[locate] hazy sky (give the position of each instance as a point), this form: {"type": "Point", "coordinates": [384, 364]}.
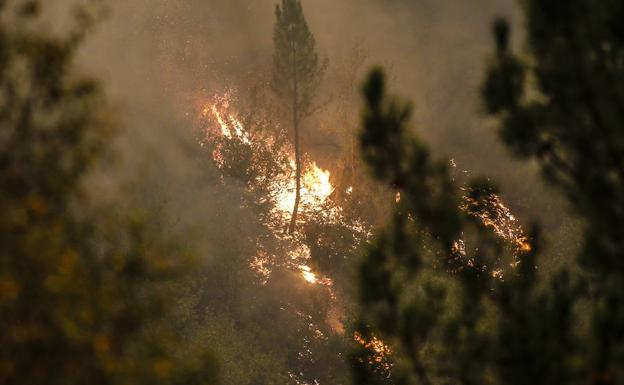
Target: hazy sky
{"type": "Point", "coordinates": [154, 53]}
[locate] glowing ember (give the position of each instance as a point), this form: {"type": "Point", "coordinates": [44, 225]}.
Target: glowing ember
{"type": "Point", "coordinates": [260, 264]}
{"type": "Point", "coordinates": [380, 351]}
{"type": "Point", "coordinates": [499, 218]}
{"type": "Point", "coordinates": [492, 213]}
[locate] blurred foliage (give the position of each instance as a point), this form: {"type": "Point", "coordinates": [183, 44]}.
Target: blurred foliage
{"type": "Point", "coordinates": [562, 106]}
{"type": "Point", "coordinates": [447, 318]}
{"type": "Point", "coordinates": [406, 289]}
{"type": "Point", "coordinates": [83, 289]}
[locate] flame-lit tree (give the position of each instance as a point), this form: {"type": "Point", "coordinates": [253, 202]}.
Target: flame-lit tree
{"type": "Point", "coordinates": [296, 75]}
{"type": "Point", "coordinates": [283, 315]}
{"type": "Point", "coordinates": [451, 323]}
{"type": "Point", "coordinates": [307, 312]}
{"type": "Point", "coordinates": [81, 288]}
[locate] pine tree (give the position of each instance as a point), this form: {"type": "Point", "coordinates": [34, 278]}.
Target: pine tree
{"type": "Point", "coordinates": [297, 74]}
{"type": "Point", "coordinates": [447, 318]}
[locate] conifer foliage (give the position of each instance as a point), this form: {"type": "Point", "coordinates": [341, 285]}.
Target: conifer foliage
{"type": "Point", "coordinates": [450, 321]}
{"type": "Point", "coordinates": [447, 318]}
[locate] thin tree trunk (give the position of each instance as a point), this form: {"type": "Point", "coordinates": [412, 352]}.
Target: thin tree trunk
{"type": "Point", "coordinates": [293, 219]}
{"type": "Point", "coordinates": [295, 109]}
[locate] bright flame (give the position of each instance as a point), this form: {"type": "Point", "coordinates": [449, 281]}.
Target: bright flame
{"type": "Point", "coordinates": [316, 186]}
{"type": "Point", "coordinates": [307, 274]}
{"type": "Point", "coordinates": [315, 189]}
{"type": "Point", "coordinates": [230, 126]}
{"type": "Point", "coordinates": [315, 182]}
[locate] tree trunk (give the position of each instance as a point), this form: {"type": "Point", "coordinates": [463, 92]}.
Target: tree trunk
{"type": "Point", "coordinates": [295, 111]}
{"type": "Point", "coordinates": [293, 219]}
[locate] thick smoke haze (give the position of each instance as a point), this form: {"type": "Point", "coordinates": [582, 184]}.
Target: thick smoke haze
{"type": "Point", "coordinates": [311, 192]}
{"type": "Point", "coordinates": [156, 57]}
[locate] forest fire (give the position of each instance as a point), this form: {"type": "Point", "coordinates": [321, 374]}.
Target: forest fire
{"type": "Point", "coordinates": [316, 185]}
{"type": "Point", "coordinates": [242, 199]}
{"type": "Point", "coordinates": [315, 190]}
{"type": "Point", "coordinates": [230, 126]}
{"type": "Point", "coordinates": [226, 128]}
{"type": "Point", "coordinates": [492, 212]}
{"type": "Point", "coordinates": [499, 218]}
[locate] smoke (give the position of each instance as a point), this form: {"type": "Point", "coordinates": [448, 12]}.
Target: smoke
{"type": "Point", "coordinates": [156, 56]}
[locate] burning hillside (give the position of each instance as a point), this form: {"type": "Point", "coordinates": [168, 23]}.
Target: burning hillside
{"type": "Point", "coordinates": [234, 140]}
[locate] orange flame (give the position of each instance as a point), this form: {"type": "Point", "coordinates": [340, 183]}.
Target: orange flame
{"type": "Point", "coordinates": [316, 185]}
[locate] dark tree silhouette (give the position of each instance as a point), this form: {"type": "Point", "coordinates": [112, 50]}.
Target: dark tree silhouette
{"type": "Point", "coordinates": [447, 318]}
{"type": "Point", "coordinates": [81, 287]}
{"type": "Point", "coordinates": [565, 108]}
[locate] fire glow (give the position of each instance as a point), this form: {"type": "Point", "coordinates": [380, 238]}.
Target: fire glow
{"type": "Point", "coordinates": [307, 274]}
{"type": "Point", "coordinates": [498, 217]}
{"type": "Point", "coordinates": [315, 190]}
{"type": "Point", "coordinates": [380, 352]}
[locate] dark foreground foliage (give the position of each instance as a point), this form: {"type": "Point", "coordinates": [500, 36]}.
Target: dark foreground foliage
{"type": "Point", "coordinates": [82, 287]}
{"type": "Point", "coordinates": [448, 319]}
